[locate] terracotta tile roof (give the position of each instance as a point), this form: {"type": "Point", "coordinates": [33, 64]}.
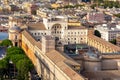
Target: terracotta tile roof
{"type": "Point", "coordinates": [111, 56]}
{"type": "Point", "coordinates": [76, 27]}
{"type": "Point", "coordinates": [55, 56]}
{"type": "Point", "coordinates": [61, 61]}
{"type": "Point", "coordinates": [58, 59]}
{"type": "Point", "coordinates": [36, 26]}
{"type": "Point", "coordinates": [29, 36]}
{"type": "Point", "coordinates": [31, 39]}
{"type": "Point", "coordinates": [71, 62]}
{"type": "Point", "coordinates": [39, 45]}
{"type": "Point", "coordinates": [108, 44]}
{"type": "Point", "coordinates": [68, 60]}
{"type": "Point", "coordinates": [72, 74]}
{"type": "Point", "coordinates": [69, 71]}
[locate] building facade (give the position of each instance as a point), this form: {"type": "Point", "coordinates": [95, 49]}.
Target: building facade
{"type": "Point", "coordinates": [38, 40]}
{"type": "Point", "coordinates": [108, 32]}
{"type": "Point", "coordinates": [118, 40]}
{"type": "Point", "coordinates": [95, 17]}
{"type": "Point", "coordinates": [58, 27]}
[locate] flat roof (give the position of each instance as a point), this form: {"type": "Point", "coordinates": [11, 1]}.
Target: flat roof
{"type": "Point", "coordinates": [76, 27]}
{"type": "Point", "coordinates": [36, 26]}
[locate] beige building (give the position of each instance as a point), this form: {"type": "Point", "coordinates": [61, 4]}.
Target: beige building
{"type": "Point", "coordinates": [58, 28]}
{"type": "Point", "coordinates": [118, 40]}
{"type": "Point", "coordinates": [49, 63]}
{"type": "Point", "coordinates": [14, 35]}
{"type": "Point", "coordinates": [38, 41]}
{"type": "Point", "coordinates": [66, 34]}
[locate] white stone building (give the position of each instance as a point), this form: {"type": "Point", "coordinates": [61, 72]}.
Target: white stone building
{"type": "Point", "coordinates": [57, 26]}
{"type": "Point", "coordinates": [108, 32]}
{"type": "Point", "coordinates": [95, 17]}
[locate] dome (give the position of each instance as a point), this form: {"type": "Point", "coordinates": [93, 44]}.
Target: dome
{"type": "Point", "coordinates": [15, 29]}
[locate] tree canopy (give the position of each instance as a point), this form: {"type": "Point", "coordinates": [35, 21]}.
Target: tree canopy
{"type": "Point", "coordinates": [113, 41]}
{"type": "Point", "coordinates": [3, 68]}
{"type": "Point", "coordinates": [16, 57]}
{"type": "Point", "coordinates": [6, 43]}
{"type": "Point", "coordinates": [14, 48]}
{"type": "Point", "coordinates": [3, 64]}
{"type": "Point", "coordinates": [97, 33]}
{"type": "Point", "coordinates": [117, 15]}
{"type": "Point", "coordinates": [105, 3]}
{"type": "Point", "coordinates": [23, 67]}
{"type": "Point", "coordinates": [19, 59]}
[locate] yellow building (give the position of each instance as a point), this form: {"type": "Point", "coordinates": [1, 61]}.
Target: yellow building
{"type": "Point", "coordinates": [55, 5]}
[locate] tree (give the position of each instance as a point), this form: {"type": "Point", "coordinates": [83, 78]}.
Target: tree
{"type": "Point", "coordinates": [113, 41]}
{"type": "Point", "coordinates": [93, 6]}
{"type": "Point", "coordinates": [6, 43]}
{"type": "Point", "coordinates": [23, 66]}
{"type": "Point", "coordinates": [3, 68]}
{"type": "Point", "coordinates": [16, 57]}
{"type": "Point", "coordinates": [111, 4]}
{"type": "Point", "coordinates": [21, 62]}
{"type": "Point", "coordinates": [117, 15]}
{"type": "Point", "coordinates": [14, 50]}
{"type": "Point", "coordinates": [19, 59]}
{"type": "Point", "coordinates": [97, 33]}
{"type": "Point", "coordinates": [3, 63]}
{"type": "Point", "coordinates": [98, 1]}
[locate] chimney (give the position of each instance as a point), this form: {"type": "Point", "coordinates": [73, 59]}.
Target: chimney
{"type": "Point", "coordinates": [48, 43]}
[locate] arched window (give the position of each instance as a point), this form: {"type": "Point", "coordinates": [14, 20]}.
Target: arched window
{"type": "Point", "coordinates": [15, 37]}
{"type": "Point", "coordinates": [56, 29]}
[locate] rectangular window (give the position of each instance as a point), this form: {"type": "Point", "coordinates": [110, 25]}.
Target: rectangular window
{"type": "Point", "coordinates": [15, 37]}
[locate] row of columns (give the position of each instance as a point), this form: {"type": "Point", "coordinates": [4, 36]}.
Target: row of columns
{"type": "Point", "coordinates": [103, 48]}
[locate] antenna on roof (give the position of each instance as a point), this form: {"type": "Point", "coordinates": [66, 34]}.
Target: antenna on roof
{"type": "Point", "coordinates": [76, 50]}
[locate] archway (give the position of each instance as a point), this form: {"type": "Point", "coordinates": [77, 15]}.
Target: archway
{"type": "Point", "coordinates": [56, 30]}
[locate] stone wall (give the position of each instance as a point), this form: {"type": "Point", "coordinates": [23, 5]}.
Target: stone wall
{"type": "Point", "coordinates": [102, 45]}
